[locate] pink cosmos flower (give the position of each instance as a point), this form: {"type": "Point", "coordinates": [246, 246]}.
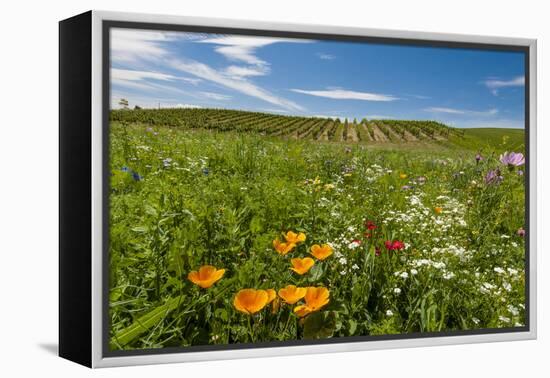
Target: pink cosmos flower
{"type": "Point", "coordinates": [512, 159]}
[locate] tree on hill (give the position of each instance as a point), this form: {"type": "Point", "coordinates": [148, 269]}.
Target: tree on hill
{"type": "Point", "coordinates": [123, 103]}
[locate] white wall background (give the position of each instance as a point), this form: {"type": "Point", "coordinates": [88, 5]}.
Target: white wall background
{"type": "Point", "coordinates": [28, 185]}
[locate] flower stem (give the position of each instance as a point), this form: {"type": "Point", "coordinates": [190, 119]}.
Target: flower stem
{"type": "Point", "coordinates": [287, 322]}
{"type": "Point", "coordinates": [251, 329]}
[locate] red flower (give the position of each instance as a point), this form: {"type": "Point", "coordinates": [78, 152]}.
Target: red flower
{"type": "Point", "coordinates": [377, 251]}
{"type": "Point", "coordinates": [357, 241]}
{"type": "Point", "coordinates": [370, 225]}
{"type": "Point", "coordinates": [395, 245]}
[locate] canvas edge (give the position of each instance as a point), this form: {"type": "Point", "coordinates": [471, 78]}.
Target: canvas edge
{"type": "Point", "coordinates": [97, 182]}
{"type": "Point", "coordinates": [97, 191]}
{"type": "Point", "coordinates": [74, 250]}
{"type": "Point", "coordinates": [533, 189]}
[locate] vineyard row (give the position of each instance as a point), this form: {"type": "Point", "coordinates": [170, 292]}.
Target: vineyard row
{"type": "Point", "coordinates": [316, 128]}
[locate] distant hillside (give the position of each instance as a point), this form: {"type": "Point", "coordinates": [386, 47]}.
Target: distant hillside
{"type": "Point", "coordinates": [374, 132]}
{"type": "Point", "coordinates": [492, 138]}
{"type": "Point", "coordinates": [323, 129]}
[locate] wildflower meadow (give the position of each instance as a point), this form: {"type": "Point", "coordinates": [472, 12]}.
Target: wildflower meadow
{"type": "Point", "coordinates": [222, 234]}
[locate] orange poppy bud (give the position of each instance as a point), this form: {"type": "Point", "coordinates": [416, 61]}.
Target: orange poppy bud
{"type": "Point", "coordinates": [206, 276]}
{"type": "Point", "coordinates": [283, 248]}
{"type": "Point", "coordinates": [315, 298]}
{"type": "Point", "coordinates": [271, 295]}
{"type": "Point", "coordinates": [302, 266]}
{"type": "Point", "coordinates": [292, 294]}
{"type": "Point", "coordinates": [292, 237]}
{"type": "Point", "coordinates": [321, 252]}
{"type": "Point", "coordinates": [250, 301]}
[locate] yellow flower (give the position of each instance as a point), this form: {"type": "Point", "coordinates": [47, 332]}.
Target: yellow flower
{"type": "Point", "coordinates": [329, 186]}
{"type": "Point", "coordinates": [402, 175]}
{"type": "Point", "coordinates": [292, 237]}
{"type": "Point", "coordinates": [250, 301]}
{"type": "Point", "coordinates": [301, 266]}
{"type": "Point", "coordinates": [206, 276]}
{"type": "Point", "coordinates": [283, 248]}
{"type": "Point", "coordinates": [292, 294]}
{"type": "Point", "coordinates": [316, 298]}
{"type": "Point", "coordinates": [438, 210]}
{"type": "Point", "coordinates": [321, 252]}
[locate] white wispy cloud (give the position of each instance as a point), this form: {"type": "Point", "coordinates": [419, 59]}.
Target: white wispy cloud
{"type": "Point", "coordinates": [242, 48]}
{"type": "Point", "coordinates": [138, 47]}
{"type": "Point", "coordinates": [134, 75]}
{"type": "Point", "coordinates": [147, 80]}
{"type": "Point", "coordinates": [495, 84]}
{"type": "Point", "coordinates": [488, 112]}
{"type": "Point", "coordinates": [216, 96]}
{"type": "Point", "coordinates": [119, 75]}
{"type": "Point", "coordinates": [342, 94]}
{"type": "Point", "coordinates": [131, 45]}
{"type": "Point", "coordinates": [324, 56]}
{"type": "Point", "coordinates": [205, 72]}
{"type": "Point", "coordinates": [240, 71]}
{"type": "Point", "coordinates": [189, 80]}
{"type": "Point", "coordinates": [271, 110]}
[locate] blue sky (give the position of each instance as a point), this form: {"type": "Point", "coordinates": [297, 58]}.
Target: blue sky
{"type": "Point", "coordinates": [460, 87]}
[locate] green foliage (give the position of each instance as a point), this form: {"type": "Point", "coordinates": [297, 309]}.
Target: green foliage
{"type": "Point", "coordinates": [295, 127]}
{"type": "Point", "coordinates": [320, 325]}
{"type": "Point", "coordinates": [191, 187]}
{"type": "Point", "coordinates": [144, 323]}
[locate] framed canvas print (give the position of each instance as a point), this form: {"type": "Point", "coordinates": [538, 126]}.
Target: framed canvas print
{"type": "Point", "coordinates": [232, 189]}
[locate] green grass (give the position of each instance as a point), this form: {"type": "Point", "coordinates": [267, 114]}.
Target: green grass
{"type": "Point", "coordinates": [184, 197]}
{"type": "Point", "coordinates": [491, 139]}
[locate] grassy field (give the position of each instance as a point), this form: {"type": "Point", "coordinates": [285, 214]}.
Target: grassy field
{"type": "Point", "coordinates": [491, 139]}
{"type": "Point", "coordinates": [389, 236]}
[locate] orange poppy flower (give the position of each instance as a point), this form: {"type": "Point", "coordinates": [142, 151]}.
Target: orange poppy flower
{"type": "Point", "coordinates": [271, 295]}
{"type": "Point", "coordinates": [302, 266]}
{"type": "Point", "coordinates": [438, 210]}
{"type": "Point", "coordinates": [316, 298]}
{"type": "Point", "coordinates": [275, 305]}
{"type": "Point", "coordinates": [321, 252]}
{"type": "Point", "coordinates": [206, 276]}
{"type": "Point", "coordinates": [292, 237]}
{"type": "Point", "coordinates": [283, 248]}
{"type": "Point", "coordinates": [250, 301]}
{"type": "Point", "coordinates": [292, 294]}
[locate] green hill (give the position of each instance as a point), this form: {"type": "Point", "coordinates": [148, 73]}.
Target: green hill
{"type": "Point", "coordinates": [492, 138]}
{"type": "Point", "coordinates": [371, 132]}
